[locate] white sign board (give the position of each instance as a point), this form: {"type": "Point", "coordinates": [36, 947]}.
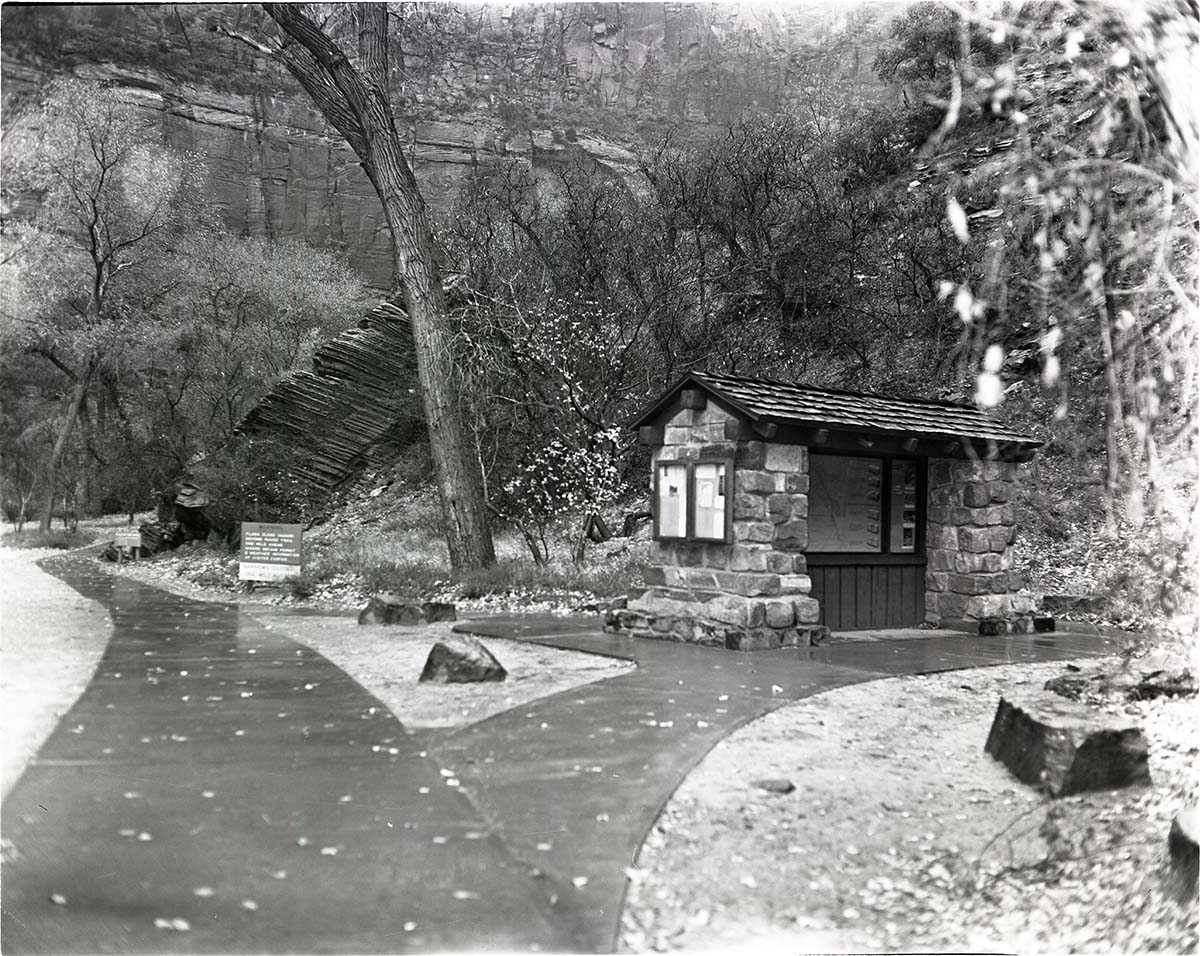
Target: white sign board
{"type": "Point", "coordinates": [128, 539]}
{"type": "Point", "coordinates": [270, 552]}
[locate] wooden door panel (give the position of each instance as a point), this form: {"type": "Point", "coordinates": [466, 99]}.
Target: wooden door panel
{"type": "Point", "coordinates": [856, 596]}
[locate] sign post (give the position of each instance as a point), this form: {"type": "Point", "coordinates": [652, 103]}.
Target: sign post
{"type": "Point", "coordinates": [270, 552]}
{"type": "Point", "coordinates": [128, 543]}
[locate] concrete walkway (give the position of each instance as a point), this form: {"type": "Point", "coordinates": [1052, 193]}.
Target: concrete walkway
{"type": "Point", "coordinates": [218, 774]}
{"type": "Point", "coordinates": [574, 782]}
{"type": "Point", "coordinates": [212, 755]}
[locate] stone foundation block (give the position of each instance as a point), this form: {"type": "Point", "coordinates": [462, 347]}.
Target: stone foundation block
{"type": "Point", "coordinates": [689, 555]}
{"type": "Point", "coordinates": [748, 583]}
{"type": "Point", "coordinates": [795, 484]}
{"type": "Point", "coordinates": [717, 556]}
{"type": "Point", "coordinates": [780, 614]}
{"type": "Point", "coordinates": [1063, 747]}
{"type": "Point", "coordinates": [795, 584]}
{"type": "Point", "coordinates": [779, 507]}
{"type": "Point", "coordinates": [940, 560]}
{"type": "Point", "coordinates": [792, 459]}
{"type": "Point", "coordinates": [780, 562]}
{"type": "Point", "coordinates": [800, 506]}
{"type": "Point", "coordinates": [939, 537]}
{"type": "Point", "coordinates": [985, 606]}
{"type": "Point", "coordinates": [760, 532]}
{"type": "Point", "coordinates": [755, 482]}
{"type": "Point", "coordinates": [742, 558]}
{"type": "Point", "coordinates": [654, 576]}
{"type": "Point", "coordinates": [937, 581]}
{"type": "Point", "coordinates": [751, 454]}
{"type": "Point", "coordinates": [807, 610]}
{"type": "Point", "coordinates": [976, 495]}
{"type": "Point", "coordinates": [677, 434]}
{"type": "Point", "coordinates": [749, 507]}
{"type": "Point", "coordinates": [977, 540]}
{"type": "Point", "coordinates": [792, 535]}
{"type": "Point", "coordinates": [755, 639]}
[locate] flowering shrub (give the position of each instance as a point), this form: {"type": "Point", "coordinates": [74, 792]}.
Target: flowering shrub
{"type": "Point", "coordinates": [558, 479]}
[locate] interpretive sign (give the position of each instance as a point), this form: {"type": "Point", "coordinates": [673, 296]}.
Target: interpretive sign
{"type": "Point", "coordinates": [128, 539]}
{"type": "Point", "coordinates": [270, 552]}
{"type": "Point", "coordinates": [128, 544]}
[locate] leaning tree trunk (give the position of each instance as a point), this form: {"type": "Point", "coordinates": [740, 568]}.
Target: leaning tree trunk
{"type": "Point", "coordinates": [354, 98]}
{"type": "Point", "coordinates": [60, 445]}
{"type": "Point", "coordinates": [468, 535]}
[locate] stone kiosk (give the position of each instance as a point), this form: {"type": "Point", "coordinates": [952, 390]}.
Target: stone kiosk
{"type": "Point", "coordinates": [783, 511]}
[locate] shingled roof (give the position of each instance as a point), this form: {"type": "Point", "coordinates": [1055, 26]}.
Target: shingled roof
{"type": "Point", "coordinates": [767, 402]}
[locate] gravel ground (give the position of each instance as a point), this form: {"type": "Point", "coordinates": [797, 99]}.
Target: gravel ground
{"type": "Point", "coordinates": [388, 660]}
{"type": "Point", "coordinates": [902, 834]}
{"type": "Point", "coordinates": [51, 639]}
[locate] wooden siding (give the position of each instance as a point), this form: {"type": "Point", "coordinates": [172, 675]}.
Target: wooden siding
{"type": "Point", "coordinates": [855, 596]}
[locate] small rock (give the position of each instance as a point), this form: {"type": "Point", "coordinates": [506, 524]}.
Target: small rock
{"type": "Point", "coordinates": [433, 611]}
{"type": "Point", "coordinates": [1173, 678]}
{"type": "Point", "coordinates": [1079, 603]}
{"type": "Point", "coordinates": [1182, 846]}
{"type": "Point", "coordinates": [390, 608]}
{"type": "Point", "coordinates": [775, 785]}
{"type": "Point", "coordinates": [1063, 747]}
{"type": "Point", "coordinates": [461, 659]}
{"type": "Point", "coordinates": [1068, 686]}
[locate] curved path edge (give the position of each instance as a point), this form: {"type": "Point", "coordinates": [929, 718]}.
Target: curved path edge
{"type": "Point", "coordinates": [575, 782]}
{"type": "Point", "coordinates": [52, 641]}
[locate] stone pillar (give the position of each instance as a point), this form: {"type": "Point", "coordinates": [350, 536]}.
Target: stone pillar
{"type": "Point", "coordinates": [969, 577]}
{"type": "Point", "coordinates": [748, 594]}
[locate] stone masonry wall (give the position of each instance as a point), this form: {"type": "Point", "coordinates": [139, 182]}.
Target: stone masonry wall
{"type": "Point", "coordinates": [752, 593]}
{"type": "Point", "coordinates": [969, 577]}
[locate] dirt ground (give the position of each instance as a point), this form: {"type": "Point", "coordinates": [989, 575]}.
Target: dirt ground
{"type": "Point", "coordinates": [51, 640]}
{"type": "Point", "coordinates": [902, 834]}
{"type": "Point", "coordinates": [388, 660]}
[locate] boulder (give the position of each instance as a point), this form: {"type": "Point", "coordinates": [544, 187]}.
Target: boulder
{"type": "Point", "coordinates": [1062, 747]}
{"type": "Point", "coordinates": [1182, 847]}
{"type": "Point", "coordinates": [461, 659]}
{"type": "Point", "coordinates": [390, 609]}
{"type": "Point", "coordinates": [433, 611]}
{"type": "Point", "coordinates": [775, 785]}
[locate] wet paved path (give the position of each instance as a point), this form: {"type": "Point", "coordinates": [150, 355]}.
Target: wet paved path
{"type": "Point", "coordinates": [212, 753]}
{"type": "Point", "coordinates": [575, 781]}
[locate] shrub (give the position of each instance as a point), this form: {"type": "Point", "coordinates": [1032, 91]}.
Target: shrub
{"type": "Point", "coordinates": [60, 539]}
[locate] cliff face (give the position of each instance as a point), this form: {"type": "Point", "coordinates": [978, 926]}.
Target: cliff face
{"type": "Point", "coordinates": [475, 84]}
{"type": "Point", "coordinates": [276, 168]}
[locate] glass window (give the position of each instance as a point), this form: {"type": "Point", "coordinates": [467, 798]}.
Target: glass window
{"type": "Point", "coordinates": [672, 500]}
{"type": "Point", "coordinates": [903, 507]}
{"type": "Point", "coordinates": [710, 501]}
{"type": "Point", "coordinates": [845, 503]}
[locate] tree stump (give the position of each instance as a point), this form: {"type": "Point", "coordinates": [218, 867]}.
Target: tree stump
{"type": "Point", "coordinates": [1062, 747]}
